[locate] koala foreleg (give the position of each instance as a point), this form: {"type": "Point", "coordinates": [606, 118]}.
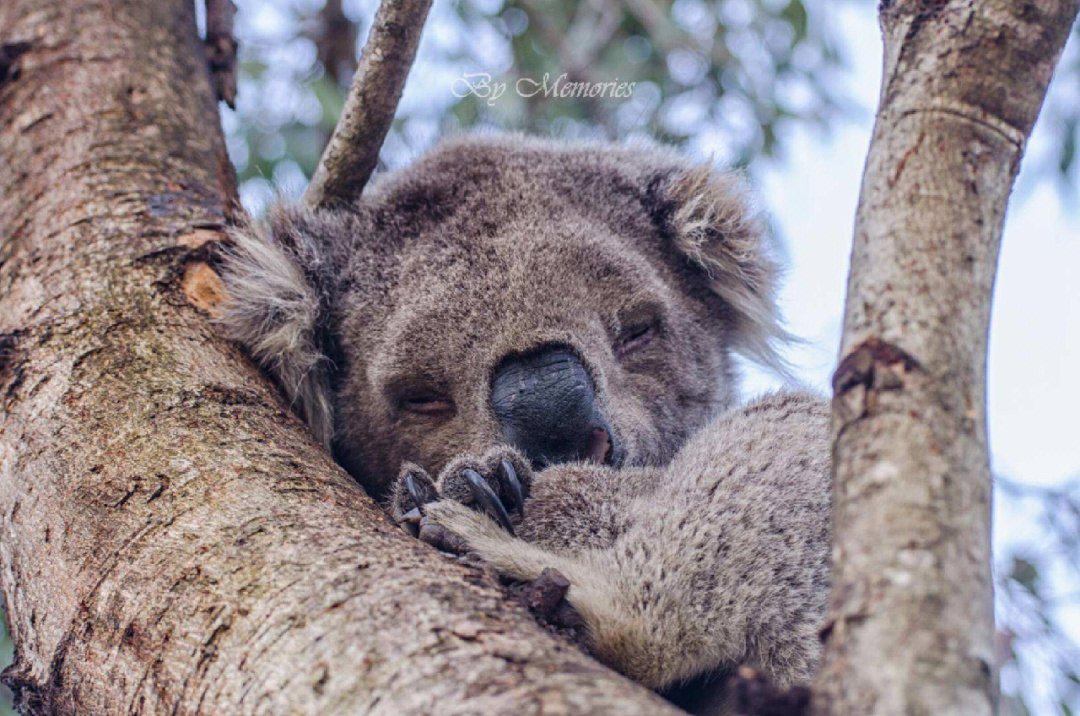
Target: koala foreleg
{"type": "Point", "coordinates": [654, 642]}
{"type": "Point", "coordinates": [615, 631]}
{"type": "Point", "coordinates": [719, 559]}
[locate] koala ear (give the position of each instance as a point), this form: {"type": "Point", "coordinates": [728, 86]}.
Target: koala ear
{"type": "Point", "coordinates": [278, 276]}
{"type": "Point", "coordinates": [708, 219]}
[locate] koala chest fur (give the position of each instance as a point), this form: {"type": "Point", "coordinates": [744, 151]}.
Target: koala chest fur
{"type": "Point", "coordinates": [556, 323]}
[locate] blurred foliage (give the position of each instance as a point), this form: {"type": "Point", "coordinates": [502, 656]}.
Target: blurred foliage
{"type": "Point", "coordinates": [722, 76]}
{"type": "Point", "coordinates": [737, 67]}
{"type": "Point", "coordinates": [719, 77]}
{"type": "Point", "coordinates": [1037, 584]}
{"type": "Point", "coordinates": [1064, 109]}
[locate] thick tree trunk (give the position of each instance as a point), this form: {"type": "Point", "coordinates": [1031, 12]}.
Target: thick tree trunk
{"type": "Point", "coordinates": [171, 538]}
{"type": "Point", "coordinates": [911, 617]}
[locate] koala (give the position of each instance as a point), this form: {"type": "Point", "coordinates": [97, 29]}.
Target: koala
{"type": "Point", "coordinates": [525, 347]}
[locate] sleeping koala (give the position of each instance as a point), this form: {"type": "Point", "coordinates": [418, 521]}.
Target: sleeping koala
{"type": "Point", "coordinates": [548, 329]}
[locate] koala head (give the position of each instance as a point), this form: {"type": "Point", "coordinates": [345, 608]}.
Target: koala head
{"type": "Point", "coordinates": [576, 301]}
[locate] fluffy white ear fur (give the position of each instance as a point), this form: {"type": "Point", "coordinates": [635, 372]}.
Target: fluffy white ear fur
{"type": "Point", "coordinates": [713, 225]}
{"type": "Point", "coordinates": [278, 310]}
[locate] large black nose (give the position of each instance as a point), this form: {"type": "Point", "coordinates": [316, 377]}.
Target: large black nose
{"type": "Point", "coordinates": [546, 405]}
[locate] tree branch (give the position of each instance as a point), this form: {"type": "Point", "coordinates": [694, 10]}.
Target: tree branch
{"type": "Point", "coordinates": [172, 539]}
{"type": "Point", "coordinates": [221, 49]}
{"type": "Point", "coordinates": [353, 150]}
{"type": "Point", "coordinates": [911, 616]}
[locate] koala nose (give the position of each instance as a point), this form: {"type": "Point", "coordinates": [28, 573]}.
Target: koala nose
{"type": "Point", "coordinates": [545, 403]}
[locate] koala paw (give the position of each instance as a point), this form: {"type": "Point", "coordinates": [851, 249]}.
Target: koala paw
{"type": "Point", "coordinates": [496, 483]}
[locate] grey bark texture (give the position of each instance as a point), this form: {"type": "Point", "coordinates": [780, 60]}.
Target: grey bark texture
{"type": "Point", "coordinates": [911, 615]}
{"type": "Point", "coordinates": [353, 150]}
{"type": "Point", "coordinates": [172, 539]}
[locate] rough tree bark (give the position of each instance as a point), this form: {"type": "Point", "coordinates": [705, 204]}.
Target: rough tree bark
{"type": "Point", "coordinates": [171, 538]}
{"type": "Point", "coordinates": [911, 618]}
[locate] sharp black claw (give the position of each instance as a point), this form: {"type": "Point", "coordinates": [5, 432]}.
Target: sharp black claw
{"type": "Point", "coordinates": [510, 476]}
{"type": "Point", "coordinates": [487, 498]}
{"type": "Point", "coordinates": [415, 491]}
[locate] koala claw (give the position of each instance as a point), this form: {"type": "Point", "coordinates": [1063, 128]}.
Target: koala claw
{"type": "Point", "coordinates": [420, 494]}
{"type": "Point", "coordinates": [513, 484]}
{"type": "Point", "coordinates": [495, 483]}
{"type": "Point", "coordinates": [487, 498]}
{"type": "Point", "coordinates": [412, 491]}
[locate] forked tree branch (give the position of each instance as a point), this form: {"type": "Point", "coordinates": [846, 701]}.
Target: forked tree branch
{"type": "Point", "coordinates": [911, 615]}
{"type": "Point", "coordinates": [353, 150]}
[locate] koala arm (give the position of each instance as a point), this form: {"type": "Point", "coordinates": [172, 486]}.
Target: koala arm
{"type": "Point", "coordinates": [718, 559]}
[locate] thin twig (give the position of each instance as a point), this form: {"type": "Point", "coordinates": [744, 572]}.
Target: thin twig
{"type": "Point", "coordinates": [221, 49]}
{"type": "Point", "coordinates": [353, 150]}
{"type": "Point", "coordinates": [335, 42]}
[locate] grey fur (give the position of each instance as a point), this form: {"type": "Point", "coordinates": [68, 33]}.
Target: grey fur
{"type": "Point", "coordinates": [707, 547]}
{"type": "Point", "coordinates": [718, 559]}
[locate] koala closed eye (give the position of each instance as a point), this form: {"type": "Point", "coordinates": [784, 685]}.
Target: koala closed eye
{"type": "Point", "coordinates": [638, 328]}
{"type": "Point", "coordinates": [419, 396]}
{"type": "Point", "coordinates": [426, 404]}
{"type": "Point", "coordinates": [634, 337]}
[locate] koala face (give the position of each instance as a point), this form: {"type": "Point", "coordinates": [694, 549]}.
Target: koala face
{"type": "Point", "coordinates": [577, 302]}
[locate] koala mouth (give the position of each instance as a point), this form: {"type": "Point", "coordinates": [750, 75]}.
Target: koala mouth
{"type": "Point", "coordinates": [599, 446]}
